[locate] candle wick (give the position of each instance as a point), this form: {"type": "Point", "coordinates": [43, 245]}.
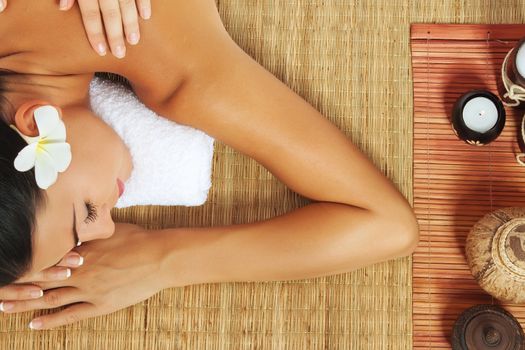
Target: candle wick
{"type": "Point", "coordinates": [482, 113]}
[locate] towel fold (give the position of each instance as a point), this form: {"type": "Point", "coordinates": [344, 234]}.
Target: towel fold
{"type": "Point", "coordinates": [171, 162]}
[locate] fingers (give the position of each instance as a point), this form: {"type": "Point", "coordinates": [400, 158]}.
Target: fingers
{"type": "Point", "coordinates": [54, 273]}
{"type": "Point", "coordinates": [130, 20]}
{"type": "Point", "coordinates": [50, 299]}
{"type": "Point", "coordinates": [66, 4]}
{"type": "Point", "coordinates": [71, 260]}
{"type": "Point", "coordinates": [53, 299]}
{"type": "Point", "coordinates": [113, 25]}
{"type": "Point", "coordinates": [72, 314]}
{"type": "Point", "coordinates": [59, 272]}
{"type": "Point", "coordinates": [144, 8]}
{"type": "Point", "coordinates": [93, 25]}
{"type": "Point", "coordinates": [111, 19]}
{"type": "Point", "coordinates": [20, 292]}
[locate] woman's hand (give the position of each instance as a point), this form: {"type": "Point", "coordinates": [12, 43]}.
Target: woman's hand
{"type": "Point", "coordinates": [117, 272]}
{"type": "Point", "coordinates": [22, 289]}
{"type": "Point", "coordinates": [115, 14]}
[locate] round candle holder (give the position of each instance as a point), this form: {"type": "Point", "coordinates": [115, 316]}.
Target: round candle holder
{"type": "Point", "coordinates": [469, 135]}
{"type": "Point", "coordinates": [513, 80]}
{"type": "Point", "coordinates": [487, 327]}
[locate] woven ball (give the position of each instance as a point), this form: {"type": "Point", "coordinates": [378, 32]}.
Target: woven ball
{"type": "Point", "coordinates": [495, 252]}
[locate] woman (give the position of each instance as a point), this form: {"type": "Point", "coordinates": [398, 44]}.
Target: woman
{"type": "Point", "coordinates": [189, 70]}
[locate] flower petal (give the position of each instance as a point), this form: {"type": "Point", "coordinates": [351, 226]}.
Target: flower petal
{"type": "Point", "coordinates": [47, 119]}
{"type": "Point", "coordinates": [60, 153]}
{"type": "Point", "coordinates": [45, 171]}
{"type": "Point", "coordinates": [57, 134]}
{"type": "Point", "coordinates": [25, 159]}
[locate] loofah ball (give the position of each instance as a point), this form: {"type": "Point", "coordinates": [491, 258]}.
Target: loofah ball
{"type": "Point", "coordinates": [495, 252]}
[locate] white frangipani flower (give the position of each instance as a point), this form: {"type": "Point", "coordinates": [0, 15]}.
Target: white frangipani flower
{"type": "Point", "coordinates": [48, 152]}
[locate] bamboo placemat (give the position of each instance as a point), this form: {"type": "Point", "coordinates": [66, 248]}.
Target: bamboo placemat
{"type": "Point", "coordinates": [325, 51]}
{"type": "Point", "coordinates": [455, 184]}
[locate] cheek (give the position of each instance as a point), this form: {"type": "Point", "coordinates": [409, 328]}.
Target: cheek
{"type": "Point", "coordinates": [49, 252]}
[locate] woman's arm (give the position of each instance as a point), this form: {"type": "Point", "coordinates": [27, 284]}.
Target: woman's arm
{"type": "Point", "coordinates": [362, 217]}
{"type": "Point", "coordinates": [319, 239]}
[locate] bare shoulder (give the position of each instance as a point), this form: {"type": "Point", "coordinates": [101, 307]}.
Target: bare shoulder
{"type": "Point", "coordinates": [174, 41]}
{"type": "Point", "coordinates": [179, 39]}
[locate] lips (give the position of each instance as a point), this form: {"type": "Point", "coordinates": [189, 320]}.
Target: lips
{"type": "Point", "coordinates": [120, 187]}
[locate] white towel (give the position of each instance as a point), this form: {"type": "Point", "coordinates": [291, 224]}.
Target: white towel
{"type": "Point", "coordinates": [171, 162]}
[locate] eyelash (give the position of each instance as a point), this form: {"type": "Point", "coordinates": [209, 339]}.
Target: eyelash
{"type": "Point", "coordinates": [92, 212]}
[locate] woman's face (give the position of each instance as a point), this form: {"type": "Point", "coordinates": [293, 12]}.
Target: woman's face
{"type": "Point", "coordinates": [82, 197]}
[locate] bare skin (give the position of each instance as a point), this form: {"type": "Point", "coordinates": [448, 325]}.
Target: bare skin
{"type": "Point", "coordinates": [193, 73]}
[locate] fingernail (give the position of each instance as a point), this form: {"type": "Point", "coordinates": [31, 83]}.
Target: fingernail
{"type": "Point", "coordinates": [146, 12]}
{"type": "Point", "coordinates": [63, 274]}
{"type": "Point", "coordinates": [74, 260]}
{"type": "Point", "coordinates": [36, 293]}
{"type": "Point", "coordinates": [120, 51]}
{"type": "Point", "coordinates": [2, 5]}
{"type": "Point", "coordinates": [101, 49]}
{"type": "Point", "coordinates": [63, 4]}
{"type": "Point", "coordinates": [133, 38]}
{"type": "Point", "coordinates": [6, 306]}
{"type": "Point", "coordinates": [35, 324]}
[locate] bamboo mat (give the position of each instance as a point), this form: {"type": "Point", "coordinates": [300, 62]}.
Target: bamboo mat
{"type": "Point", "coordinates": [351, 61]}
{"type": "Point", "coordinates": [455, 184]}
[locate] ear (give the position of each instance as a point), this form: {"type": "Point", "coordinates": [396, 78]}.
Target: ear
{"type": "Point", "coordinates": [25, 119]}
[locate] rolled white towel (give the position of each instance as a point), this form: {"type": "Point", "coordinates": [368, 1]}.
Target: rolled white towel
{"type": "Point", "coordinates": [171, 162]}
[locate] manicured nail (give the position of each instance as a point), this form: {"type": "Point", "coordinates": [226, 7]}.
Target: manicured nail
{"type": "Point", "coordinates": [6, 306]}
{"type": "Point", "coordinates": [36, 293]}
{"type": "Point", "coordinates": [63, 274]}
{"type": "Point", "coordinates": [101, 49]}
{"type": "Point", "coordinates": [120, 51]}
{"type": "Point", "coordinates": [35, 324]}
{"type": "Point", "coordinates": [146, 12]}
{"type": "Point", "coordinates": [75, 260]}
{"type": "Point", "coordinates": [63, 5]}
{"type": "Point", "coordinates": [2, 5]}
{"type": "Point", "coordinates": [133, 38]}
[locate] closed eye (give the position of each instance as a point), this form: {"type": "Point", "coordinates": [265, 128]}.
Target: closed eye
{"type": "Point", "coordinates": [92, 212]}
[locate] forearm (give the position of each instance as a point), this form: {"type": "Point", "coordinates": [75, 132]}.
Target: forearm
{"type": "Point", "coordinates": [317, 240]}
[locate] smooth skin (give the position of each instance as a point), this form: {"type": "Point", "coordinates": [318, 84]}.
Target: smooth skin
{"type": "Point", "coordinates": [195, 74]}
{"type": "Point", "coordinates": [111, 18]}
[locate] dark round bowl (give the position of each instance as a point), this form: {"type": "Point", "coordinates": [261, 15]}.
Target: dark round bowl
{"type": "Point", "coordinates": [487, 327]}
{"type": "Point", "coordinates": [468, 135]}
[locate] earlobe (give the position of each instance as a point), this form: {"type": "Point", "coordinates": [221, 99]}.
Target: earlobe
{"type": "Point", "coordinates": [24, 117]}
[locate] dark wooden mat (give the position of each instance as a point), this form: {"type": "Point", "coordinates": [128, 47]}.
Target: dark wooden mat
{"type": "Point", "coordinates": [455, 184]}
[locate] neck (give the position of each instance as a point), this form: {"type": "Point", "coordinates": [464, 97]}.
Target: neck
{"type": "Point", "coordinates": [63, 91]}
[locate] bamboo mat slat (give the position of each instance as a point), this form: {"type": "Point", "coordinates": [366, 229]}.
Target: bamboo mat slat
{"type": "Point", "coordinates": [455, 184]}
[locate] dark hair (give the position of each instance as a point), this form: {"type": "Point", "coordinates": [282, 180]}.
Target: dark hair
{"type": "Point", "coordinates": [20, 199]}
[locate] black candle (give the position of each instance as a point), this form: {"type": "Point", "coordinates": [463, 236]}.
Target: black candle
{"type": "Point", "coordinates": [478, 117]}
